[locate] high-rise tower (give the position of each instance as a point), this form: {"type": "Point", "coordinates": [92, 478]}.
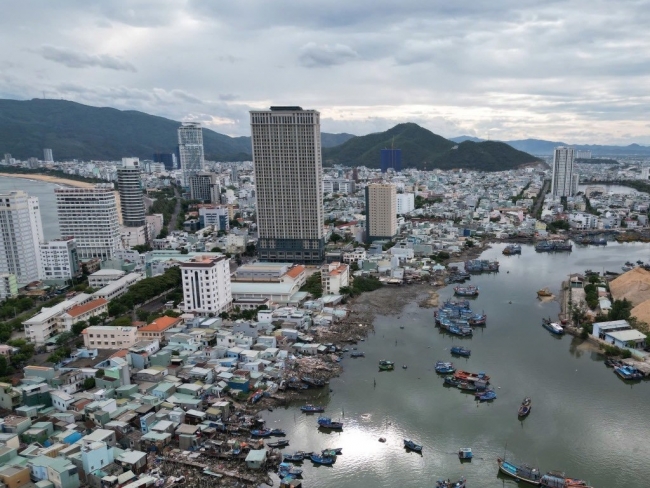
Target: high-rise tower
{"type": "Point", "coordinates": [381, 211]}
{"type": "Point", "coordinates": [130, 188]}
{"type": "Point", "coordinates": [190, 149]}
{"type": "Point", "coordinates": [288, 178]}
{"type": "Point", "coordinates": [565, 181]}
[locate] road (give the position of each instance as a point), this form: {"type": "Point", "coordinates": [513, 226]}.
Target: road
{"type": "Point", "coordinates": [171, 225]}
{"type": "Point", "coordinates": [540, 201]}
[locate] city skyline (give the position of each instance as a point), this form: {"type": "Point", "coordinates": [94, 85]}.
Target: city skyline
{"type": "Point", "coordinates": [480, 69]}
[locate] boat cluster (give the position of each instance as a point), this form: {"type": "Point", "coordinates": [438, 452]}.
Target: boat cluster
{"type": "Point", "coordinates": [481, 266]}
{"type": "Point", "coordinates": [476, 383]}
{"type": "Point", "coordinates": [553, 246]}
{"type": "Point", "coordinates": [623, 370]}
{"type": "Point", "coordinates": [288, 470]}
{"type": "Point", "coordinates": [512, 249]}
{"type": "Point", "coordinates": [528, 474]}
{"type": "Point", "coordinates": [457, 318]}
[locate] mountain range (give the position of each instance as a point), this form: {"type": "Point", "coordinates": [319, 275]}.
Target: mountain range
{"type": "Point", "coordinates": [541, 147]}
{"type": "Point", "coordinates": [76, 131]}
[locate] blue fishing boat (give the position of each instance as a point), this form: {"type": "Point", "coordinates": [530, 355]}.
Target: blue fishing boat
{"type": "Point", "coordinates": [486, 396]}
{"type": "Point", "coordinates": [257, 396]}
{"type": "Point", "coordinates": [327, 461]}
{"type": "Point", "coordinates": [444, 368]}
{"type": "Point", "coordinates": [461, 483]}
{"type": "Point", "coordinates": [332, 452]}
{"type": "Point", "coordinates": [552, 327]}
{"type": "Point", "coordinates": [466, 386]}
{"type": "Point", "coordinates": [386, 365]}
{"type": "Point", "coordinates": [409, 444]}
{"type": "Point", "coordinates": [357, 354]}
{"type": "Point", "coordinates": [512, 249]}
{"type": "Point", "coordinates": [328, 423]}
{"type": "Point", "coordinates": [522, 472]}
{"type": "Point", "coordinates": [278, 444]}
{"type": "Point", "coordinates": [479, 319]}
{"type": "Point", "coordinates": [285, 469]}
{"type": "Point", "coordinates": [628, 372]}
{"type": "Point", "coordinates": [461, 351]}
{"type": "Point", "coordinates": [261, 432]}
{"type": "Point", "coordinates": [312, 408]}
{"type": "Point", "coordinates": [451, 381]}
{"type": "Point", "coordinates": [525, 407]}
{"type": "Point", "coordinates": [296, 457]}
{"type": "Point", "coordinates": [466, 291]}
{"type": "Point", "coordinates": [465, 454]}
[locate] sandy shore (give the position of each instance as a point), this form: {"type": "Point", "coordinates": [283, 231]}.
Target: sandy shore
{"type": "Point", "coordinates": [50, 179]}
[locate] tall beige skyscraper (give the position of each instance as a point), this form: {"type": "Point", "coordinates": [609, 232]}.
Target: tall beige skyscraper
{"type": "Point", "coordinates": [381, 211]}
{"type": "Point", "coordinates": [288, 177]}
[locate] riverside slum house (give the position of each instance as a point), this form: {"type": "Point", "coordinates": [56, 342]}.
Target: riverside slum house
{"type": "Point", "coordinates": [182, 403]}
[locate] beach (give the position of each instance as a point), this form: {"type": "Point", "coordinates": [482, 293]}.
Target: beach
{"type": "Point", "coordinates": [50, 179]}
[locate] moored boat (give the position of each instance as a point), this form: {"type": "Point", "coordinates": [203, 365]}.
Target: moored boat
{"type": "Point", "coordinates": [357, 354]}
{"type": "Point", "coordinates": [544, 292]}
{"type": "Point", "coordinates": [523, 472]}
{"type": "Point", "coordinates": [285, 469]}
{"type": "Point", "coordinates": [451, 381]}
{"type": "Point", "coordinates": [465, 454]}
{"type": "Point", "coordinates": [461, 351]}
{"type": "Point", "coordinates": [466, 386]}
{"type": "Point", "coordinates": [261, 432]}
{"type": "Point", "coordinates": [525, 407]}
{"type": "Point", "coordinates": [461, 483]}
{"type": "Point", "coordinates": [512, 249]}
{"type": "Point", "coordinates": [313, 381]}
{"type": "Point", "coordinates": [277, 444]}
{"type": "Point", "coordinates": [332, 452]}
{"type": "Point", "coordinates": [328, 423]}
{"type": "Point", "coordinates": [466, 291]}
{"type": "Point", "coordinates": [327, 461]}
{"type": "Point", "coordinates": [296, 457]}
{"type": "Point", "coordinates": [409, 444]}
{"type": "Point", "coordinates": [557, 479]}
{"type": "Point", "coordinates": [312, 408]}
{"type": "Point", "coordinates": [628, 372]}
{"type": "Point", "coordinates": [278, 432]}
{"type": "Point", "coordinates": [444, 367]}
{"type": "Point", "coordinates": [486, 396]}
{"type": "Point", "coordinates": [471, 377]}
{"type": "Point", "coordinates": [386, 365]}
{"type": "Point", "coordinates": [552, 327]}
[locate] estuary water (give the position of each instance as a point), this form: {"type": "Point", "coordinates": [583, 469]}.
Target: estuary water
{"type": "Point", "coordinates": [585, 420]}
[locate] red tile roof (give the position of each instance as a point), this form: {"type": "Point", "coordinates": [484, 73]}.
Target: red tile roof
{"type": "Point", "coordinates": [295, 271]}
{"type": "Point", "coordinates": [86, 307]}
{"type": "Point", "coordinates": [160, 324]}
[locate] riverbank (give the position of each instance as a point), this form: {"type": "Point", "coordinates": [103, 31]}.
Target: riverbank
{"type": "Point", "coordinates": [50, 179]}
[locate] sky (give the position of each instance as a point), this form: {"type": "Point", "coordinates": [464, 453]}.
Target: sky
{"type": "Point", "coordinates": [575, 71]}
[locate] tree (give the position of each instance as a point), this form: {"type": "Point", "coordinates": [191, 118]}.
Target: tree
{"type": "Point", "coordinates": [313, 285]}
{"type": "Point", "coordinates": [95, 320]}
{"type": "Point", "coordinates": [4, 366]}
{"type": "Point", "coordinates": [335, 238]}
{"type": "Point", "coordinates": [99, 373]}
{"type": "Point", "coordinates": [78, 327]}
{"type": "Point", "coordinates": [64, 338]}
{"type": "Point", "coordinates": [89, 383]}
{"type": "Point", "coordinates": [122, 322]}
{"type": "Point", "coordinates": [143, 314]}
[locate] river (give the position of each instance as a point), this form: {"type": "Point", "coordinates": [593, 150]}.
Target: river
{"type": "Point", "coordinates": [45, 193]}
{"type": "Point", "coordinates": [585, 420]}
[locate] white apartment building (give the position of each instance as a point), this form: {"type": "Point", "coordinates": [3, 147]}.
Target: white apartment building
{"type": "Point", "coordinates": [83, 312]}
{"type": "Point", "coordinates": [109, 337]}
{"type": "Point", "coordinates": [131, 196]}
{"type": "Point", "coordinates": [381, 211]}
{"type": "Point", "coordinates": [21, 233]}
{"type": "Point", "coordinates": [334, 276]}
{"type": "Point", "coordinates": [118, 287]}
{"type": "Point", "coordinates": [289, 189]}
{"type": "Point", "coordinates": [59, 260]}
{"type": "Point", "coordinates": [338, 185]}
{"type": "Point", "coordinates": [359, 254]}
{"type": "Point", "coordinates": [583, 154]}
{"type": "Point", "coordinates": [190, 148]}
{"type": "Point", "coordinates": [206, 285]}
{"type": "Point", "coordinates": [215, 215]}
{"type": "Point", "coordinates": [565, 181]}
{"type": "Point", "coordinates": [45, 324]}
{"type": "Point", "coordinates": [405, 203]}
{"type": "Point", "coordinates": [90, 216]}
{"type": "Point", "coordinates": [103, 277]}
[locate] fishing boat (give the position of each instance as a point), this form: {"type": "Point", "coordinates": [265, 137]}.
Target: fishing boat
{"type": "Point", "coordinates": [471, 377]}
{"type": "Point", "coordinates": [479, 319]}
{"type": "Point", "coordinates": [486, 396]}
{"type": "Point", "coordinates": [278, 432]}
{"type": "Point", "coordinates": [544, 292]}
{"type": "Point", "coordinates": [466, 291]}
{"type": "Point", "coordinates": [628, 372]}
{"type": "Point", "coordinates": [481, 266]}
{"type": "Point", "coordinates": [313, 381]}
{"type": "Point", "coordinates": [557, 479]}
{"type": "Point", "coordinates": [327, 461]}
{"type": "Point", "coordinates": [466, 386]}
{"type": "Point", "coordinates": [386, 365]}
{"type": "Point", "coordinates": [525, 407]}
{"type": "Point", "coordinates": [451, 381]}
{"type": "Point", "coordinates": [552, 327]}
{"type": "Point", "coordinates": [312, 408]}
{"type": "Point", "coordinates": [465, 454]}
{"type": "Point", "coordinates": [278, 444]}
{"type": "Point", "coordinates": [296, 457]}
{"type": "Point", "coordinates": [523, 472]}
{"type": "Point", "coordinates": [336, 450]}
{"type": "Point", "coordinates": [613, 363]}
{"type": "Point", "coordinates": [328, 423]}
{"type": "Point", "coordinates": [409, 444]}
{"type": "Point", "coordinates": [461, 351]}
{"type": "Point", "coordinates": [357, 354]}
{"type": "Point", "coordinates": [444, 368]}
{"type": "Point", "coordinates": [285, 469]}
{"type": "Point", "coordinates": [512, 249]}
{"type": "Point", "coordinates": [261, 432]}
{"type": "Point", "coordinates": [461, 483]}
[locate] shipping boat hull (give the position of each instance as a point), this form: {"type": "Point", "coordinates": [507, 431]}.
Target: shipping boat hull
{"type": "Point", "coordinates": [520, 473]}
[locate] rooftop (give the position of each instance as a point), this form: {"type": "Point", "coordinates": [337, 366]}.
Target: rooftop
{"type": "Point", "coordinates": [160, 324]}
{"type": "Point", "coordinates": [627, 335]}
{"type": "Point", "coordinates": [86, 307]}
{"type": "Point", "coordinates": [295, 271]}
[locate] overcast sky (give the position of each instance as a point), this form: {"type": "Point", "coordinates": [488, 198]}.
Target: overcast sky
{"type": "Point", "coordinates": [572, 71]}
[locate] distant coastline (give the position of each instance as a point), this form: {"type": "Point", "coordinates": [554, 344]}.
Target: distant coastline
{"type": "Point", "coordinates": [49, 179]}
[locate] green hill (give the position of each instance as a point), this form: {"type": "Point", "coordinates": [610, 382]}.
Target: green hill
{"type": "Point", "coordinates": [76, 131]}
{"type": "Point", "coordinates": [422, 148]}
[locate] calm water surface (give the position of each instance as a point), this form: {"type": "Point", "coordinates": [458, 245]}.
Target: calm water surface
{"type": "Point", "coordinates": [584, 421]}
{"type": "Point", "coordinates": [45, 193]}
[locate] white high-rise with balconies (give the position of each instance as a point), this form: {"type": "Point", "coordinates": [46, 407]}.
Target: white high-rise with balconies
{"type": "Point", "coordinates": [289, 184]}
{"type": "Point", "coordinates": [206, 285]}
{"type": "Point", "coordinates": [21, 232]}
{"type": "Point", "coordinates": [90, 216]}
{"type": "Point", "coordinates": [565, 181]}
{"type": "Point", "coordinates": [190, 149]}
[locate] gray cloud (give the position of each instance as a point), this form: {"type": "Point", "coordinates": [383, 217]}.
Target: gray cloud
{"type": "Point", "coordinates": [77, 59]}
{"type": "Point", "coordinates": [314, 55]}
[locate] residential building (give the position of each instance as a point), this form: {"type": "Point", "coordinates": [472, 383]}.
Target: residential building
{"type": "Point", "coordinates": [156, 329]}
{"type": "Point", "coordinates": [391, 159]}
{"type": "Point", "coordinates": [381, 211]}
{"type": "Point", "coordinates": [46, 324]}
{"type": "Point", "coordinates": [90, 216]}
{"type": "Point", "coordinates": [131, 196]}
{"type": "Point", "coordinates": [289, 189]}
{"type": "Point", "coordinates": [272, 273]}
{"type": "Point", "coordinates": [109, 337]}
{"type": "Point", "coordinates": [583, 154]}
{"type": "Point", "coordinates": [8, 285]}
{"type": "Point", "coordinates": [118, 287]}
{"type": "Point", "coordinates": [205, 187]}
{"type": "Point", "coordinates": [14, 476]}
{"type": "Point", "coordinates": [405, 203]}
{"type": "Point", "coordinates": [206, 285]}
{"type": "Point", "coordinates": [216, 215]}
{"type": "Point", "coordinates": [564, 182]}
{"type": "Point", "coordinates": [334, 276]}
{"type": "Point", "coordinates": [168, 159]}
{"type": "Point", "coordinates": [103, 277]}
{"type": "Point", "coordinates": [21, 232]}
{"type": "Point", "coordinates": [190, 149]}
{"type": "Point", "coordinates": [82, 312]}
{"type": "Point", "coordinates": [47, 156]}
{"type": "Point", "coordinates": [59, 261]}
{"type": "Point", "coordinates": [339, 186]}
